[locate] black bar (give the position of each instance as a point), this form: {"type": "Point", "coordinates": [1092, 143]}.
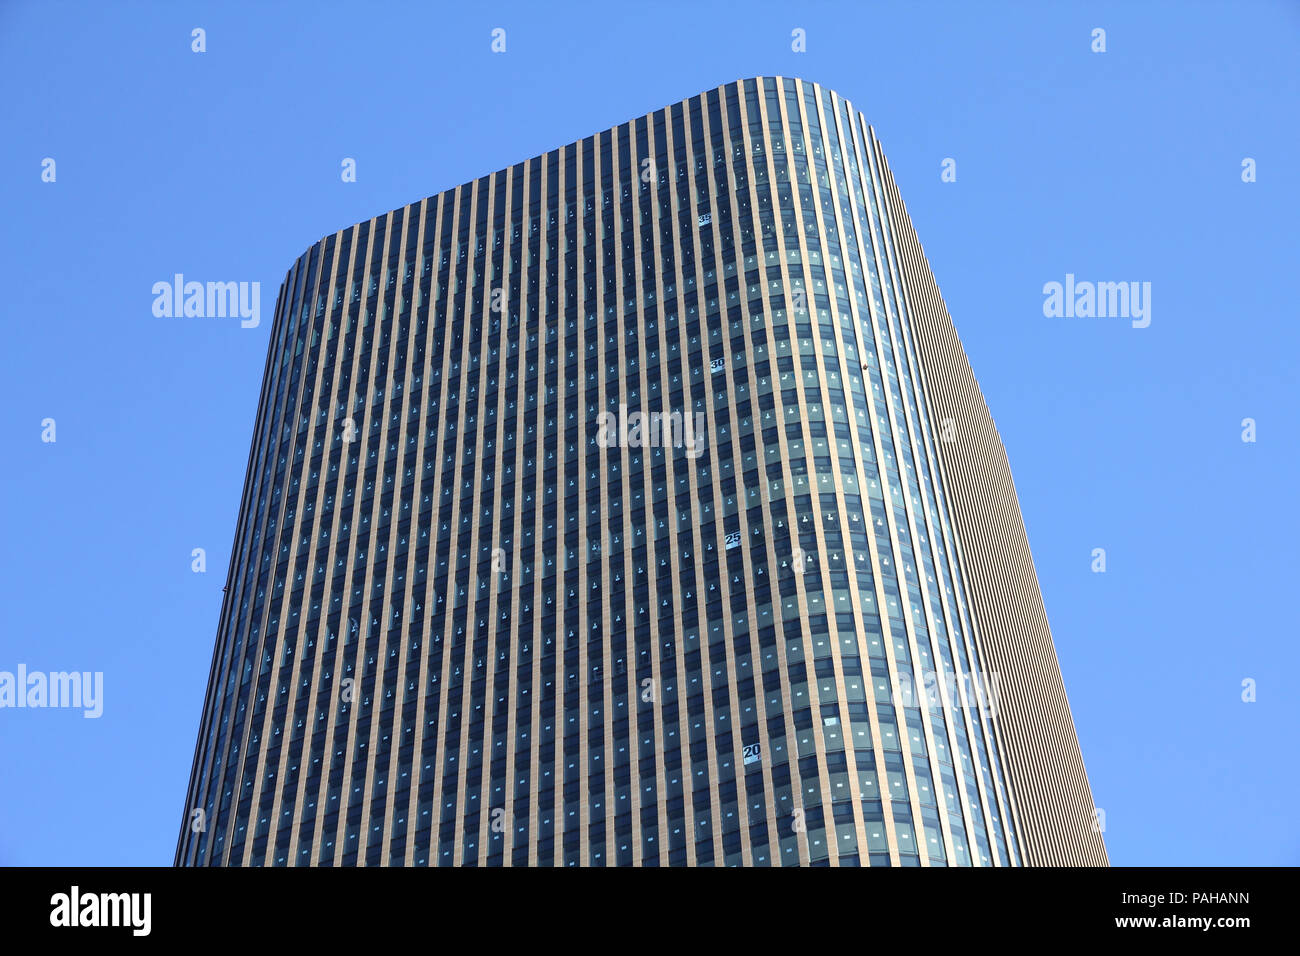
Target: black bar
{"type": "Point", "coordinates": [443, 907]}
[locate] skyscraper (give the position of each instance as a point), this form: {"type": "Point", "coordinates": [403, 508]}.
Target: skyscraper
{"type": "Point", "coordinates": [635, 504]}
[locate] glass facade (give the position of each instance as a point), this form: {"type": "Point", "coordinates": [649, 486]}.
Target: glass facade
{"type": "Point", "coordinates": [464, 627]}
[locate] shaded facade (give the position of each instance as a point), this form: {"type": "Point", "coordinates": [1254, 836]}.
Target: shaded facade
{"type": "Point", "coordinates": [470, 622]}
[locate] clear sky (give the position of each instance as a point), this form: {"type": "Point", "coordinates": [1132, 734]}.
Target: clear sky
{"type": "Point", "coordinates": [1117, 166]}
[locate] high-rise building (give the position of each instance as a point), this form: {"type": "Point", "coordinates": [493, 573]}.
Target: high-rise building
{"type": "Point", "coordinates": [635, 504]}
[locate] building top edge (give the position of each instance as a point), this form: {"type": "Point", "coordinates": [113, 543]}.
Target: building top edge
{"type": "Point", "coordinates": [737, 83]}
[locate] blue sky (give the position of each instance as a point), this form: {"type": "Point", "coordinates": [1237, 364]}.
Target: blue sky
{"type": "Point", "coordinates": [1116, 166]}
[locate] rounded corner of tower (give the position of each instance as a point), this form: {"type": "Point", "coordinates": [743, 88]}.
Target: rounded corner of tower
{"type": "Point", "coordinates": [777, 78]}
